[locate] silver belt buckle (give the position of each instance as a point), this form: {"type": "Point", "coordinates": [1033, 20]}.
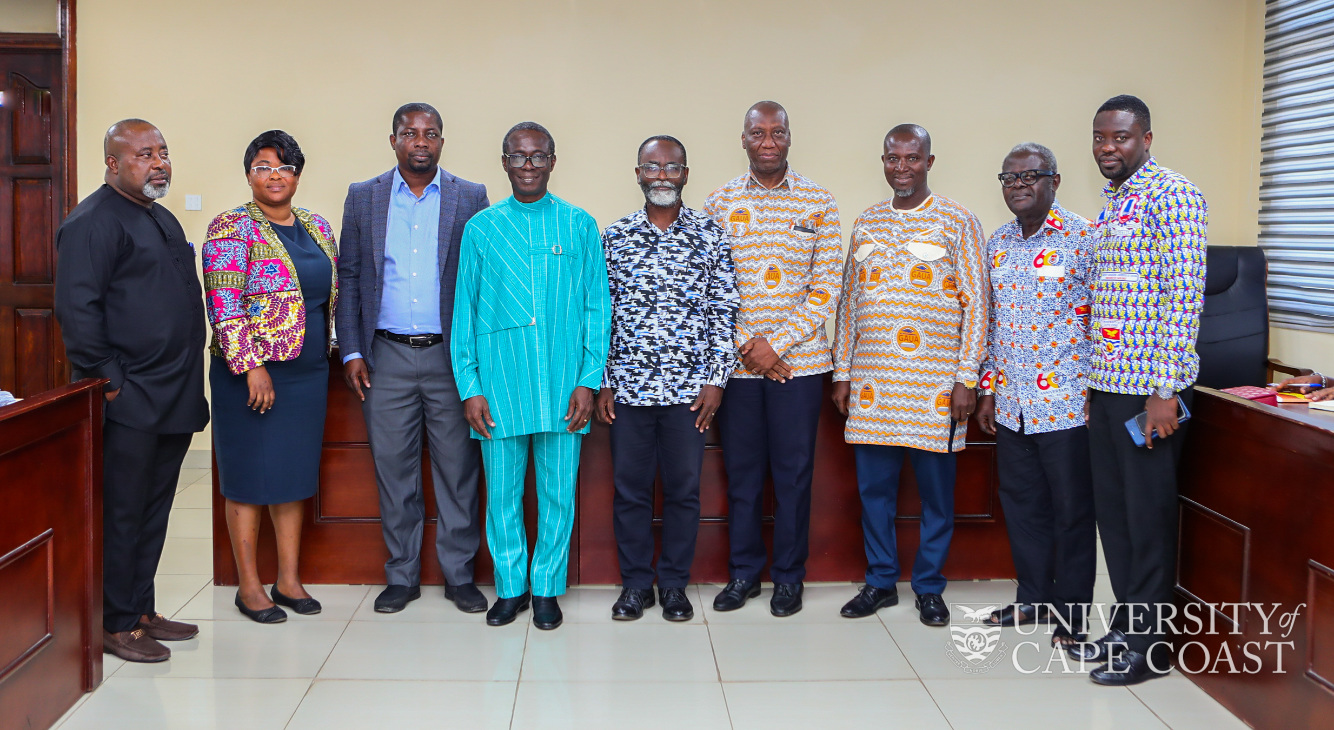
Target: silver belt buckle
{"type": "Point", "coordinates": [556, 249]}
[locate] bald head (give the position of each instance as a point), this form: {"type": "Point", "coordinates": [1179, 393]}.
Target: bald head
{"type": "Point", "coordinates": [764, 110]}
{"type": "Point", "coordinates": [136, 160]}
{"type": "Point", "coordinates": [912, 131]}
{"type": "Point", "coordinates": [118, 136]}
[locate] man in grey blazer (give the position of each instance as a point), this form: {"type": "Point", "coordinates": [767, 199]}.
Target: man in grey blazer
{"type": "Point", "coordinates": [397, 263]}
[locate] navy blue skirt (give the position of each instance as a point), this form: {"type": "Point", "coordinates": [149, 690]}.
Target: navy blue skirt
{"type": "Point", "coordinates": [274, 457]}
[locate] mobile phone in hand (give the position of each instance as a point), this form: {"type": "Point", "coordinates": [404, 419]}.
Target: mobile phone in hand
{"type": "Point", "coordinates": [1302, 388]}
{"type": "Point", "coordinates": [1136, 425]}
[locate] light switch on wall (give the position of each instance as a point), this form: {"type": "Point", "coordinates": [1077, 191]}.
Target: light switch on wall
{"type": "Point", "coordinates": [194, 202]}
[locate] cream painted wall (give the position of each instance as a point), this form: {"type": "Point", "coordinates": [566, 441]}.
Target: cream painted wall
{"type": "Point", "coordinates": [29, 16]}
{"type": "Point", "coordinates": [981, 75]}
{"type": "Point", "coordinates": [1303, 349]}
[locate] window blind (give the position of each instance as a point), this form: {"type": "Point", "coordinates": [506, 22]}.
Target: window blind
{"type": "Point", "coordinates": [1297, 162]}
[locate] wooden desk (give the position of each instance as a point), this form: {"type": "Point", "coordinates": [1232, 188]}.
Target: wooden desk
{"type": "Point", "coordinates": [342, 541]}
{"type": "Point", "coordinates": [1257, 513]}
{"type": "Point", "coordinates": [50, 553]}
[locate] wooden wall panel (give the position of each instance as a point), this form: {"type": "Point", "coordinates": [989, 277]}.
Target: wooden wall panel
{"type": "Point", "coordinates": [34, 338]}
{"type": "Point", "coordinates": [1319, 649]}
{"type": "Point", "coordinates": [342, 541]}
{"type": "Point", "coordinates": [32, 138]}
{"type": "Point", "coordinates": [1213, 555]}
{"type": "Point", "coordinates": [27, 580]}
{"type": "Point", "coordinates": [33, 236]}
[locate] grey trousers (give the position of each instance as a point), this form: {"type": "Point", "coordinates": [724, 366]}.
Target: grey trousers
{"type": "Point", "coordinates": [412, 388]}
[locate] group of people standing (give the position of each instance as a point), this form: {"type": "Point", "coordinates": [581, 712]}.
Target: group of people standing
{"type": "Point", "coordinates": [496, 330]}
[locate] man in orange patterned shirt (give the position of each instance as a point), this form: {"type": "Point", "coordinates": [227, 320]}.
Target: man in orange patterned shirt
{"type": "Point", "coordinates": [911, 333]}
{"type": "Point", "coordinates": [787, 246]}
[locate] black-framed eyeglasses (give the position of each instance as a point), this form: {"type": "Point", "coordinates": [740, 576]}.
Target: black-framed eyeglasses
{"type": "Point", "coordinates": [1027, 177]}
{"type": "Point", "coordinates": [264, 171]}
{"type": "Point", "coordinates": [653, 169]}
{"type": "Point", "coordinates": [516, 160]}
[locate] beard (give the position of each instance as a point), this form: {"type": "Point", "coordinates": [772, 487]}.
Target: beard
{"type": "Point", "coordinates": [156, 192]}
{"type": "Point", "coordinates": [661, 194]}
{"type": "Point", "coordinates": [904, 192]}
{"type": "Point", "coordinates": [1118, 173]}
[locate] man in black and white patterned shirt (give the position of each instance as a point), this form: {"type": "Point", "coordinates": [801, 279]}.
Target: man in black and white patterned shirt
{"type": "Point", "coordinates": [674, 304]}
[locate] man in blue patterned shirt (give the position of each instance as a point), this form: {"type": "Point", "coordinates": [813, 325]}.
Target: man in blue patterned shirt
{"type": "Point", "coordinates": [674, 305]}
{"type": "Point", "coordinates": [1146, 307]}
{"type": "Point", "coordinates": [1034, 384]}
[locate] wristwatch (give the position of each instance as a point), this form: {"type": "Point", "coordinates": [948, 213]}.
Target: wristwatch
{"type": "Point", "coordinates": [969, 384]}
{"type": "Point", "coordinates": [1165, 392]}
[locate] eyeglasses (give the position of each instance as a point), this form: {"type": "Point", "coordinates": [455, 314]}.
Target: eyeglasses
{"type": "Point", "coordinates": [653, 169]}
{"type": "Point", "coordinates": [265, 170]}
{"type": "Point", "coordinates": [517, 160]}
{"type": "Point", "coordinates": [1027, 177]}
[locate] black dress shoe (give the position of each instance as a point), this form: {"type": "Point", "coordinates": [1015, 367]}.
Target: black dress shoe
{"type": "Point", "coordinates": [466, 597]}
{"type": "Point", "coordinates": [1018, 614]}
{"type": "Point", "coordinates": [395, 598]}
{"type": "Point", "coordinates": [931, 609]}
{"type": "Point", "coordinates": [270, 615]}
{"type": "Point", "coordinates": [786, 599]}
{"type": "Point", "coordinates": [735, 594]}
{"type": "Point", "coordinates": [675, 605]}
{"type": "Point", "coordinates": [1127, 668]}
{"type": "Point", "coordinates": [504, 610]}
{"type": "Point", "coordinates": [870, 600]}
{"type": "Point", "coordinates": [546, 613]}
{"type": "Point", "coordinates": [630, 606]}
{"type": "Point", "coordinates": [305, 606]}
{"type": "Point", "coordinates": [1099, 650]}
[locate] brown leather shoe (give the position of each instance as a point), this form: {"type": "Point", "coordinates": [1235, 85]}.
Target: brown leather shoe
{"type": "Point", "coordinates": [164, 629]}
{"type": "Point", "coordinates": [134, 646]}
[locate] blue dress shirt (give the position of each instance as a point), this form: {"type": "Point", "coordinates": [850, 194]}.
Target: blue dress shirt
{"type": "Point", "coordinates": [410, 303]}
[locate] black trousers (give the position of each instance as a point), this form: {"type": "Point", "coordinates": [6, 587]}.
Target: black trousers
{"type": "Point", "coordinates": [1046, 489]}
{"type": "Point", "coordinates": [1135, 499]}
{"type": "Point", "coordinates": [139, 475]}
{"type": "Point", "coordinates": [644, 439]}
{"type": "Point", "coordinates": [768, 428]}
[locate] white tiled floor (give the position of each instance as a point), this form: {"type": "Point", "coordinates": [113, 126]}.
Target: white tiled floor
{"type": "Point", "coordinates": [433, 666]}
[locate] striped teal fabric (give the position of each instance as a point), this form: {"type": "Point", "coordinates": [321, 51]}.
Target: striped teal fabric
{"type": "Point", "coordinates": [532, 312]}
{"type": "Point", "coordinates": [506, 461]}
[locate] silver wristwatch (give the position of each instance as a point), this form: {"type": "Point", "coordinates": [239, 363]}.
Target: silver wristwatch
{"type": "Point", "coordinates": [1165, 392]}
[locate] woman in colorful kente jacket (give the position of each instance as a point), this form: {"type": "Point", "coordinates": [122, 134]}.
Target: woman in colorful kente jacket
{"type": "Point", "coordinates": [270, 284]}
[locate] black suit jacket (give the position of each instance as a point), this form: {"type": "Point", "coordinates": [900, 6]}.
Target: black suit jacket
{"type": "Point", "coordinates": [131, 309]}
{"type": "Point", "coordinates": [361, 254]}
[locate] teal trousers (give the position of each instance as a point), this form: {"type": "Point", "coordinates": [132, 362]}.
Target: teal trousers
{"type": "Point", "coordinates": [556, 455]}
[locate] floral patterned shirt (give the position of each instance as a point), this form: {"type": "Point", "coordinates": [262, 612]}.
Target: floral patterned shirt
{"type": "Point", "coordinates": [1040, 342]}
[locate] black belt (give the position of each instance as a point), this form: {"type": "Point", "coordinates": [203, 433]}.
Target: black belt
{"type": "Point", "coordinates": [411, 340]}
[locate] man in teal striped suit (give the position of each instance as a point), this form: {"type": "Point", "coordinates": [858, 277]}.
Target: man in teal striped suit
{"type": "Point", "coordinates": [532, 318]}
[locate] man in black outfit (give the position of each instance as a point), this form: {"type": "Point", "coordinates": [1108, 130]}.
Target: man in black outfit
{"type": "Point", "coordinates": [131, 310]}
{"type": "Point", "coordinates": [674, 301]}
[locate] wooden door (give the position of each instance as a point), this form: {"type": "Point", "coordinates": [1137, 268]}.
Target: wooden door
{"type": "Point", "coordinates": [32, 194]}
